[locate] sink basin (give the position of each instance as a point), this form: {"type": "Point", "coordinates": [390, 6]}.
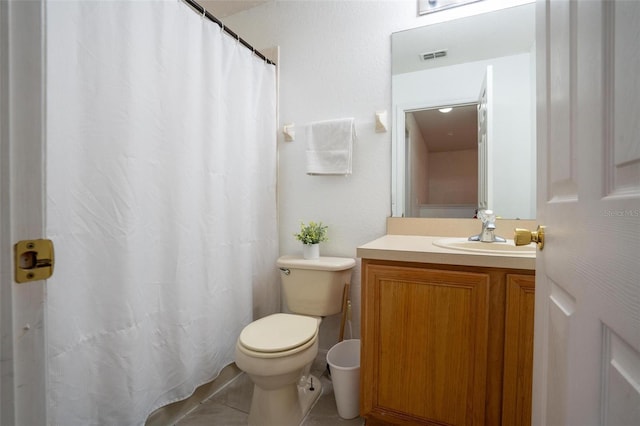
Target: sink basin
{"type": "Point", "coordinates": [507, 247]}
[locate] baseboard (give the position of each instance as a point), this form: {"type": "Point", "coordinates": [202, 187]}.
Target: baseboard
{"type": "Point", "coordinates": [170, 414]}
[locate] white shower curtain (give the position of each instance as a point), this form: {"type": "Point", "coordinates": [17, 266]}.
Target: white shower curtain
{"type": "Point", "coordinates": [161, 173]}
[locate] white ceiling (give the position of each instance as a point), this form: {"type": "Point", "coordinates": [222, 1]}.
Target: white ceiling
{"type": "Point", "coordinates": [453, 131]}
{"type": "Point", "coordinates": [223, 8]}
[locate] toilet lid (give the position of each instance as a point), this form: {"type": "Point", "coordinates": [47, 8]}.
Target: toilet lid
{"type": "Point", "coordinates": [278, 332]}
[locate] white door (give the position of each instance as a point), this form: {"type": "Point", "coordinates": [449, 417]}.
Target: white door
{"type": "Point", "coordinates": [587, 326]}
{"type": "Point", "coordinates": [22, 306]}
{"type": "Point", "coordinates": [485, 133]}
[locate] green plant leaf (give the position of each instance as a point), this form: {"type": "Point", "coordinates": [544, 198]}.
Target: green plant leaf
{"type": "Point", "coordinates": [313, 233]}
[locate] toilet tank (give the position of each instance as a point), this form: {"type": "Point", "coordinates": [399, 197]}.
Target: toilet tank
{"type": "Point", "coordinates": [314, 286]}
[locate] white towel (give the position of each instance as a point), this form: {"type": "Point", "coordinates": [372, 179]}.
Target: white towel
{"type": "Point", "coordinates": [330, 147]}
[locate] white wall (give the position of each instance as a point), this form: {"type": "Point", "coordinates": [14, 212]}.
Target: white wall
{"type": "Point", "coordinates": [453, 177]}
{"type": "Point", "coordinates": [417, 162]}
{"type": "Point", "coordinates": [335, 62]}
{"type": "Point", "coordinates": [513, 176]}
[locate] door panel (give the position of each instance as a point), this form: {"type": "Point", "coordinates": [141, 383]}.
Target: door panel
{"type": "Point", "coordinates": [622, 147]}
{"type": "Point", "coordinates": [518, 350]}
{"type": "Point", "coordinates": [561, 171]}
{"type": "Point", "coordinates": [587, 342]}
{"type": "Point", "coordinates": [621, 377]}
{"type": "Point", "coordinates": [485, 135]}
{"type": "Point", "coordinates": [425, 345]}
{"type": "Point", "coordinates": [561, 309]}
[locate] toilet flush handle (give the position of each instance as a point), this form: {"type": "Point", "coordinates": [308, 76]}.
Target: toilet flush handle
{"type": "Point", "coordinates": [285, 270]}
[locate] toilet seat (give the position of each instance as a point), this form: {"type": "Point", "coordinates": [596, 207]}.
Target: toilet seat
{"type": "Point", "coordinates": [278, 335]}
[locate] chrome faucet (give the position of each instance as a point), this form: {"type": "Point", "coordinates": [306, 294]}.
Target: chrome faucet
{"type": "Point", "coordinates": [487, 235]}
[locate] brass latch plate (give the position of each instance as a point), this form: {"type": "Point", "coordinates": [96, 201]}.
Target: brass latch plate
{"type": "Point", "coordinates": [33, 260]}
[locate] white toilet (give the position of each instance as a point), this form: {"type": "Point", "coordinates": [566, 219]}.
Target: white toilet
{"type": "Point", "coordinates": [277, 351]}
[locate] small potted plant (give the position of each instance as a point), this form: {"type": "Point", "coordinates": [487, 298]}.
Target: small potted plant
{"type": "Point", "coordinates": [311, 236]}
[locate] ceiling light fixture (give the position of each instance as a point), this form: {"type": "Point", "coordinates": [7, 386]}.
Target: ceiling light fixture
{"type": "Point", "coordinates": [445, 110]}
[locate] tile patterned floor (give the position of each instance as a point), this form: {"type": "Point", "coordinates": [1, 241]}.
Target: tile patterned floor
{"type": "Point", "coordinates": [230, 407]}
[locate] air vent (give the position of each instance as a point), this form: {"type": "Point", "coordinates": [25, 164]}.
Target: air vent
{"type": "Point", "coordinates": [433, 55]}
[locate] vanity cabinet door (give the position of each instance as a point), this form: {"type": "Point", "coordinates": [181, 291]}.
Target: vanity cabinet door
{"type": "Point", "coordinates": [518, 350]}
{"type": "Point", "coordinates": [424, 340]}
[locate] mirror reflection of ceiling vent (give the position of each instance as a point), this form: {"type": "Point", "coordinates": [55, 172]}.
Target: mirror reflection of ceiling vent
{"type": "Point", "coordinates": [433, 55]}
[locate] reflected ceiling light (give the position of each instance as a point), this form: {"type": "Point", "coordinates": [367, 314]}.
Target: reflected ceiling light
{"type": "Point", "coordinates": [445, 110]}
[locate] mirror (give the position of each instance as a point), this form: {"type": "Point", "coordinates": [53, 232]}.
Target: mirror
{"type": "Point", "coordinates": [481, 153]}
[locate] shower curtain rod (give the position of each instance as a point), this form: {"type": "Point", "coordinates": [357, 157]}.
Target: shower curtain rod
{"type": "Point", "coordinates": [200, 9]}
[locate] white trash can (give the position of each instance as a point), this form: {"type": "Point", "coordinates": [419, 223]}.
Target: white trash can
{"type": "Point", "coordinates": [344, 362]}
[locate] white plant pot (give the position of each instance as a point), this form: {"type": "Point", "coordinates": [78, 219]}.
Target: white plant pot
{"type": "Point", "coordinates": [311, 251]}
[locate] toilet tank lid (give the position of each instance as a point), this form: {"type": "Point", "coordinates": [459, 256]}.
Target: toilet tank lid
{"type": "Point", "coordinates": [322, 263]}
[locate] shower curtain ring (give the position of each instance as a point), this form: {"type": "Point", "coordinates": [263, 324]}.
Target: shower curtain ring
{"type": "Point", "coordinates": [204, 13]}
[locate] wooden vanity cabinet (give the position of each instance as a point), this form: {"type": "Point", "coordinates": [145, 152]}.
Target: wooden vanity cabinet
{"type": "Point", "coordinates": [445, 345]}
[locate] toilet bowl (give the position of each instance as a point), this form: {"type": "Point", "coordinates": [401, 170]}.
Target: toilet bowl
{"type": "Point", "coordinates": [276, 351]}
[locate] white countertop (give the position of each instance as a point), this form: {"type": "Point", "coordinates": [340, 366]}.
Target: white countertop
{"type": "Point", "coordinates": [412, 248]}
